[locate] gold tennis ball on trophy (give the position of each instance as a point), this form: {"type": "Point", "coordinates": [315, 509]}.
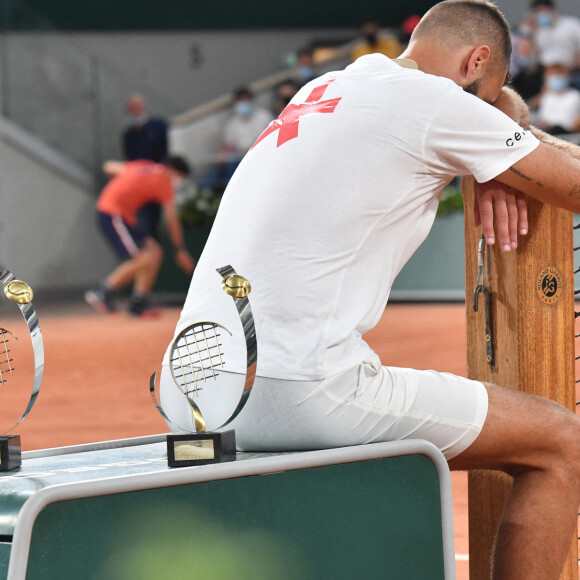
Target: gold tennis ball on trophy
{"type": "Point", "coordinates": [236, 286]}
{"type": "Point", "coordinates": [19, 292]}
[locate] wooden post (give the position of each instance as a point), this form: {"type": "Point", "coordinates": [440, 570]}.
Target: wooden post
{"type": "Point", "coordinates": [533, 322]}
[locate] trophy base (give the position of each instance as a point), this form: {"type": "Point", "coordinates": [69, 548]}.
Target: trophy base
{"type": "Point", "coordinates": [10, 452]}
{"type": "Point", "coordinates": [201, 448]}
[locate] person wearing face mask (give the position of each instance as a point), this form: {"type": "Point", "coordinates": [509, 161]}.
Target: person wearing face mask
{"type": "Point", "coordinates": [146, 137]}
{"type": "Point", "coordinates": [134, 184]}
{"type": "Point", "coordinates": [283, 95]}
{"type": "Point", "coordinates": [305, 67]}
{"type": "Point", "coordinates": [240, 132]}
{"type": "Point", "coordinates": [559, 110]}
{"type": "Point", "coordinates": [557, 36]}
{"type": "Point", "coordinates": [374, 42]}
{"type": "Point", "coordinates": [529, 80]}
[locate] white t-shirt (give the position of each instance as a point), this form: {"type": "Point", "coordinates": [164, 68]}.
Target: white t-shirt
{"type": "Point", "coordinates": [330, 203]}
{"type": "Point", "coordinates": [241, 132]}
{"type": "Point", "coordinates": [560, 109]}
{"type": "Point", "coordinates": [559, 43]}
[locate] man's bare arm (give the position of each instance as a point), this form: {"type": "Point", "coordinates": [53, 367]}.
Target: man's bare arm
{"type": "Point", "coordinates": [566, 147]}
{"type": "Point", "coordinates": [113, 168]}
{"type": "Point", "coordinates": [549, 174]}
{"type": "Point", "coordinates": [510, 103]}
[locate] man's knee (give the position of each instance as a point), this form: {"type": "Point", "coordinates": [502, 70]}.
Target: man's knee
{"type": "Point", "coordinates": [569, 448]}
{"type": "Point", "coordinates": [564, 451]}
{"type": "Point", "coordinates": [151, 254]}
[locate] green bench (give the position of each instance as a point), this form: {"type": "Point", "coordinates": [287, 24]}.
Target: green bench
{"type": "Point", "coordinates": [114, 510]}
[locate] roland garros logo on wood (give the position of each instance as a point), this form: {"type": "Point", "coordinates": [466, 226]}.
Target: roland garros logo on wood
{"type": "Point", "coordinates": [549, 285]}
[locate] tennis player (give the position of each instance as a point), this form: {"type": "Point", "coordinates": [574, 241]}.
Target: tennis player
{"type": "Point", "coordinates": [332, 200]}
{"type": "Point", "coordinates": [135, 184]}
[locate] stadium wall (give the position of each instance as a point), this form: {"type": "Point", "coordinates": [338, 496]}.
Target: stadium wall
{"type": "Point", "coordinates": [48, 232]}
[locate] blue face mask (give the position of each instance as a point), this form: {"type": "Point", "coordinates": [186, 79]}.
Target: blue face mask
{"type": "Point", "coordinates": [525, 31]}
{"type": "Point", "coordinates": [557, 83]}
{"type": "Point", "coordinates": [306, 73]}
{"type": "Point", "coordinates": [527, 61]}
{"type": "Point", "coordinates": [244, 108]}
{"type": "Point", "coordinates": [544, 19]}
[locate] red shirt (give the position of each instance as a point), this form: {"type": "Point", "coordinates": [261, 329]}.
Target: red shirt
{"type": "Point", "coordinates": [140, 183]}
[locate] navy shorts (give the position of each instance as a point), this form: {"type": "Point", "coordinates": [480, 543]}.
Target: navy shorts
{"type": "Point", "coordinates": [125, 239]}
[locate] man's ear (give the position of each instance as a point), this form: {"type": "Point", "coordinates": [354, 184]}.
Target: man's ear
{"type": "Point", "coordinates": [475, 62]}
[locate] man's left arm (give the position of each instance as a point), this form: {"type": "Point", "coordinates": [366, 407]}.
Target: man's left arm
{"type": "Point", "coordinates": [182, 256]}
{"type": "Point", "coordinates": [499, 203]}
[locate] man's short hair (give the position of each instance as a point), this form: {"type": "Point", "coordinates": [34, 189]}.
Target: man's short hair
{"type": "Point", "coordinates": [542, 3]}
{"type": "Point", "coordinates": [243, 93]}
{"type": "Point", "coordinates": [178, 163]}
{"type": "Point", "coordinates": [462, 23]}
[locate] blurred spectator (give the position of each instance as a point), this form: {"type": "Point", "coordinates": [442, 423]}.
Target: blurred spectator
{"type": "Point", "coordinates": [305, 70]}
{"type": "Point", "coordinates": [146, 137]}
{"type": "Point", "coordinates": [283, 95]}
{"type": "Point", "coordinates": [375, 42]}
{"type": "Point", "coordinates": [529, 80]}
{"type": "Point", "coordinates": [240, 132]}
{"type": "Point", "coordinates": [557, 37]}
{"type": "Point", "coordinates": [559, 110]}
{"type": "Point", "coordinates": [527, 27]}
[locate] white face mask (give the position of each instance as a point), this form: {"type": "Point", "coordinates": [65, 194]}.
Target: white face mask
{"type": "Point", "coordinates": [544, 19]}
{"type": "Point", "coordinates": [557, 83]}
{"type": "Point", "coordinates": [138, 119]}
{"type": "Point", "coordinates": [244, 108]}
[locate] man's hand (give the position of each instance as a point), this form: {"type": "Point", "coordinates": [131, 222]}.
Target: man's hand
{"type": "Point", "coordinates": [184, 260]}
{"type": "Point", "coordinates": [494, 201]}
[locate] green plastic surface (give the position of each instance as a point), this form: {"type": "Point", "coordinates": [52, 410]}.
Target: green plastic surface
{"type": "Point", "coordinates": [370, 519]}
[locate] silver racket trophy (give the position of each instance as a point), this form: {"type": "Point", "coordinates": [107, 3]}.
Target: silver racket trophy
{"type": "Point", "coordinates": [214, 396]}
{"type": "Point", "coordinates": [21, 294]}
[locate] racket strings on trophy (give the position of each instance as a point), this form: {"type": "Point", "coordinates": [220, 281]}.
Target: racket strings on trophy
{"type": "Point", "coordinates": [6, 360]}
{"type": "Point", "coordinates": [197, 357]}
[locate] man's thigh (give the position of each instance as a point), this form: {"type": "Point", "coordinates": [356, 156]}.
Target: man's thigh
{"type": "Point", "coordinates": [125, 240]}
{"type": "Point", "coordinates": [366, 404]}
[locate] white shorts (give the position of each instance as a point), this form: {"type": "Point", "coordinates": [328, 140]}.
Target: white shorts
{"type": "Point", "coordinates": [367, 404]}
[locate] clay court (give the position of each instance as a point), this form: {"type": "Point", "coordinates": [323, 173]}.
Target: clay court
{"type": "Point", "coordinates": [97, 369]}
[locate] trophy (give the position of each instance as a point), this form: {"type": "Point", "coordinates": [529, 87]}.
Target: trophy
{"type": "Point", "coordinates": [21, 294]}
{"type": "Point", "coordinates": [214, 396]}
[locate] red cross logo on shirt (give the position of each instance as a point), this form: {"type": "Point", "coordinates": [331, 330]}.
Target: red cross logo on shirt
{"type": "Point", "coordinates": [288, 121]}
